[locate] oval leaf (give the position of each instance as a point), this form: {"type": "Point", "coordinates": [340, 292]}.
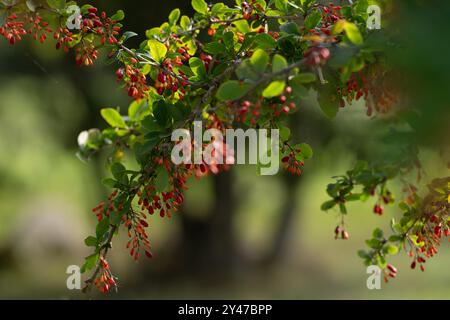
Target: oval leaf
{"type": "Point", "coordinates": [274, 89]}
{"type": "Point", "coordinates": [113, 118]}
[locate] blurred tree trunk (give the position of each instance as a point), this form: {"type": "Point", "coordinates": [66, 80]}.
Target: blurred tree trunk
{"type": "Point", "coordinates": [287, 214]}
{"type": "Point", "coordinates": [208, 245]}
{"type": "Point", "coordinates": [288, 208]}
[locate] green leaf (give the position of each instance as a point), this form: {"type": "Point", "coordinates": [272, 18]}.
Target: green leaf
{"type": "Point", "coordinates": [285, 134]}
{"type": "Point", "coordinates": [101, 229]}
{"type": "Point", "coordinates": [391, 249]}
{"type": "Point", "coordinates": [306, 150]}
{"type": "Point", "coordinates": [353, 34]}
{"type": "Point", "coordinates": [373, 243]}
{"type": "Point", "coordinates": [157, 50]}
{"type": "Point", "coordinates": [245, 71]}
{"type": "Point", "coordinates": [395, 238]}
{"type": "Point", "coordinates": [377, 233]}
{"type": "Point", "coordinates": [342, 208]}
{"type": "Point", "coordinates": [415, 239]}
{"type": "Point", "coordinates": [174, 16]}
{"type": "Point", "coordinates": [290, 28]}
{"type": "Point", "coordinates": [353, 197]}
{"type": "Point", "coordinates": [403, 206]}
{"type": "Point", "coordinates": [127, 35]}
{"type": "Point", "coordinates": [90, 262]}
{"type": "Point", "coordinates": [162, 180]}
{"type": "Point", "coordinates": [260, 60]}
{"type": "Point", "coordinates": [185, 22]}
{"type": "Point", "coordinates": [278, 63]}
{"type": "Point", "coordinates": [242, 26]}
{"type": "Point", "coordinates": [91, 241]}
{"type": "Point", "coordinates": [118, 170]}
{"type": "Point", "coordinates": [281, 4]}
{"type": "Point", "coordinates": [108, 182]}
{"type": "Point", "coordinates": [200, 6]}
{"type": "Point", "coordinates": [118, 16]}
{"type": "Point", "coordinates": [137, 110]}
{"type": "Point", "coordinates": [306, 77]}
{"type": "Point", "coordinates": [57, 4]}
{"type": "Point", "coordinates": [363, 254]}
{"type": "Point", "coordinates": [197, 67]}
{"type": "Point", "coordinates": [264, 41]}
{"type": "Point", "coordinates": [328, 101]}
{"type": "Point", "coordinates": [228, 40]}
{"type": "Point", "coordinates": [328, 205]}
{"type": "Point", "coordinates": [298, 89]}
{"type": "Point", "coordinates": [161, 113]}
{"type": "Point", "coordinates": [215, 48]}
{"type": "Point", "coordinates": [313, 20]}
{"type": "Point", "coordinates": [218, 8]}
{"type": "Point", "coordinates": [232, 90]}
{"type": "Point", "coordinates": [274, 89]}
{"type": "Point", "coordinates": [113, 118]}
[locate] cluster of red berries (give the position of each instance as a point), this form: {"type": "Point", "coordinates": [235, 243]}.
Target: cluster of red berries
{"type": "Point", "coordinates": [374, 89]}
{"type": "Point", "coordinates": [226, 157]}
{"type": "Point", "coordinates": [341, 233]}
{"type": "Point", "coordinates": [317, 56]}
{"type": "Point", "coordinates": [385, 198]}
{"type": "Point", "coordinates": [330, 15]}
{"type": "Point", "coordinates": [378, 209]}
{"type": "Point", "coordinates": [39, 28]}
{"type": "Point", "coordinates": [355, 89]}
{"type": "Point", "coordinates": [390, 272]}
{"type": "Point", "coordinates": [105, 280]}
{"type": "Point", "coordinates": [284, 105]}
{"type": "Point", "coordinates": [86, 54]}
{"type": "Point", "coordinates": [248, 111]}
{"type": "Point", "coordinates": [417, 260]}
{"type": "Point", "coordinates": [382, 89]}
{"type": "Point", "coordinates": [136, 82]}
{"type": "Point", "coordinates": [291, 162]}
{"type": "Point", "coordinates": [430, 237]}
{"type": "Point", "coordinates": [274, 34]}
{"type": "Point", "coordinates": [166, 80]}
{"type": "Point", "coordinates": [102, 25]}
{"type": "Point", "coordinates": [136, 225]}
{"type": "Point", "coordinates": [13, 30]}
{"type": "Point", "coordinates": [105, 209]}
{"type": "Point", "coordinates": [164, 202]}
{"type": "Point", "coordinates": [249, 8]}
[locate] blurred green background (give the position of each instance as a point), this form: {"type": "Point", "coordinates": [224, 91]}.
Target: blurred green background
{"type": "Point", "coordinates": [239, 235]}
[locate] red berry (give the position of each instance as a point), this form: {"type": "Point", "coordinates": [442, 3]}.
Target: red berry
{"type": "Point", "coordinates": [211, 31]}
{"type": "Point", "coordinates": [162, 77]}
{"type": "Point", "coordinates": [392, 268]}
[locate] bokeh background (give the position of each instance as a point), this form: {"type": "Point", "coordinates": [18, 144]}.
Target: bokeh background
{"type": "Point", "coordinates": [239, 235]}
